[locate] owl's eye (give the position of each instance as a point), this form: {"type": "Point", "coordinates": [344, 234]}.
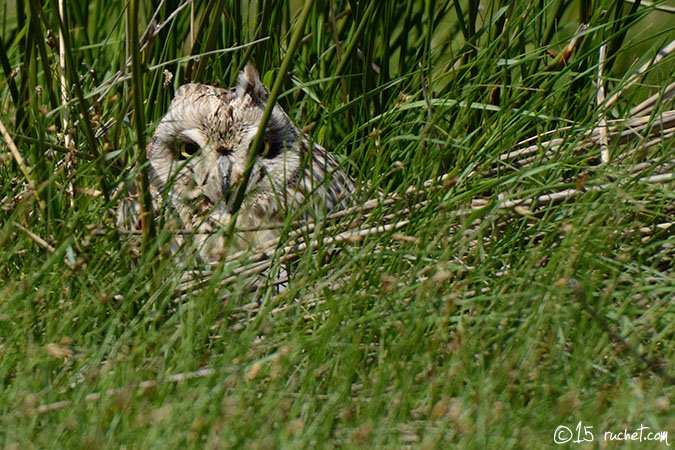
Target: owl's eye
{"type": "Point", "coordinates": [187, 149]}
{"type": "Point", "coordinates": [271, 150]}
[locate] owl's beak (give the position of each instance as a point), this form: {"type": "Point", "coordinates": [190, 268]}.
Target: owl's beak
{"type": "Point", "coordinates": [225, 172]}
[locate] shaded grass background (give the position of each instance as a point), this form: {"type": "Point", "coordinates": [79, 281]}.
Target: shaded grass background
{"type": "Point", "coordinates": [458, 335]}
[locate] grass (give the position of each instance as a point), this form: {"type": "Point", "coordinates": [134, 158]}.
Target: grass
{"type": "Point", "coordinates": [473, 310]}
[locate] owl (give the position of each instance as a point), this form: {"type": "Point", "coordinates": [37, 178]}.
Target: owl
{"type": "Point", "coordinates": [197, 157]}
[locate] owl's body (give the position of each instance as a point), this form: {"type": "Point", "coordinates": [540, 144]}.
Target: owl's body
{"type": "Point", "coordinates": [197, 157]}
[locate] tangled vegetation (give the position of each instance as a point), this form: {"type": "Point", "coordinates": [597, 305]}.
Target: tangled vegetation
{"type": "Point", "coordinates": [507, 271]}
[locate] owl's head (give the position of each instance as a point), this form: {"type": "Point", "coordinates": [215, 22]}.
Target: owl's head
{"type": "Point", "coordinates": [200, 147]}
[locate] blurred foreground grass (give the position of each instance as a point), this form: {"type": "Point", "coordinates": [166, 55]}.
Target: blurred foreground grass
{"type": "Point", "coordinates": [485, 318]}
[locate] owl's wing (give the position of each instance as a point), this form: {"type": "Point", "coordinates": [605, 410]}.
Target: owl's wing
{"type": "Point", "coordinates": [128, 213]}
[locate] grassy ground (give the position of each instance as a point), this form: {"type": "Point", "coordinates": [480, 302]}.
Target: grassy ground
{"type": "Point", "coordinates": [483, 309]}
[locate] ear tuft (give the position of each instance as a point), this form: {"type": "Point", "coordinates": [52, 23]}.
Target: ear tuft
{"type": "Point", "coordinates": [250, 84]}
{"type": "Point", "coordinates": [186, 89]}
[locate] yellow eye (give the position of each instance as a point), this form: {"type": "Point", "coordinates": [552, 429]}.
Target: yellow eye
{"type": "Point", "coordinates": [187, 149]}
{"type": "Point", "coordinates": [272, 149]}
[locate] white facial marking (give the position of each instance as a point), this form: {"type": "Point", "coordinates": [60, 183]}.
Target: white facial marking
{"type": "Point", "coordinates": [195, 136]}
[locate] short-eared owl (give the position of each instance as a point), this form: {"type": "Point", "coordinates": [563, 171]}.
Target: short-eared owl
{"type": "Point", "coordinates": [197, 157]}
